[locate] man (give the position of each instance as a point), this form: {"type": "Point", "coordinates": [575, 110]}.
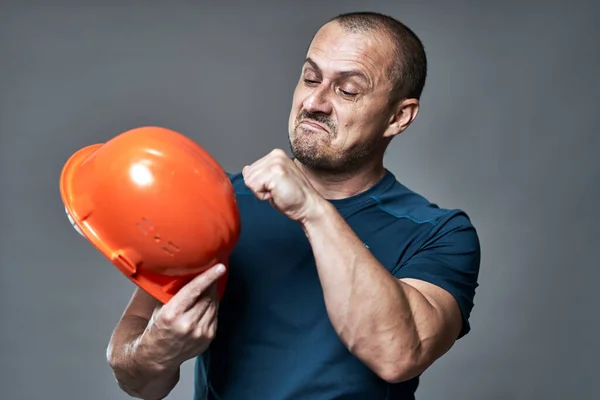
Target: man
{"type": "Point", "coordinates": [344, 283]}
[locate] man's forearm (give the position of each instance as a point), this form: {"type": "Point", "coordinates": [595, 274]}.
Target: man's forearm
{"type": "Point", "coordinates": [371, 310]}
{"type": "Point", "coordinates": [136, 376]}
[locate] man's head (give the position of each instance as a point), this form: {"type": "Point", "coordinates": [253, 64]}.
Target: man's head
{"type": "Point", "coordinates": [359, 87]}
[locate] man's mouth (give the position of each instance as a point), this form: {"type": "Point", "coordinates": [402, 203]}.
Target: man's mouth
{"type": "Point", "coordinates": [314, 125]}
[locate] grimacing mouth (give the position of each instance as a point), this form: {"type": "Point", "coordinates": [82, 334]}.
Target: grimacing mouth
{"type": "Point", "coordinates": [314, 123]}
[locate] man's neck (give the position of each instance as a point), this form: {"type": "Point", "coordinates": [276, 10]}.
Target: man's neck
{"type": "Point", "coordinates": [333, 186]}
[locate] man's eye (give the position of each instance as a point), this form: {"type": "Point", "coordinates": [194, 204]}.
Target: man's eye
{"type": "Point", "coordinates": [310, 81]}
{"type": "Point", "coordinates": [347, 93]}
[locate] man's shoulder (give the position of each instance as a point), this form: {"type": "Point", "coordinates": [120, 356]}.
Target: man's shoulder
{"type": "Point", "coordinates": [423, 223]}
{"type": "Point", "coordinates": [405, 203]}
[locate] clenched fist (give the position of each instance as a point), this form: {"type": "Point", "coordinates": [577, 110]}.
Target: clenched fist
{"type": "Point", "coordinates": [277, 179]}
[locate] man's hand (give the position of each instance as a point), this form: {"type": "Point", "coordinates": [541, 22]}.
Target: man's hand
{"type": "Point", "coordinates": [185, 326]}
{"type": "Point", "coordinates": [276, 178]}
{"type": "Point", "coordinates": [152, 340]}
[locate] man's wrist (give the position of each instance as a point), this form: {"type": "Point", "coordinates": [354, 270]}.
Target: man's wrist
{"type": "Point", "coordinates": [144, 359]}
{"type": "Point", "coordinates": [319, 212]}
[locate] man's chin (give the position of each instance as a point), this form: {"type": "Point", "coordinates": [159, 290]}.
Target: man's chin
{"type": "Point", "coordinates": [314, 161]}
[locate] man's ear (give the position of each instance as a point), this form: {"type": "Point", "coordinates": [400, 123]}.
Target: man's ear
{"type": "Point", "coordinates": [405, 113]}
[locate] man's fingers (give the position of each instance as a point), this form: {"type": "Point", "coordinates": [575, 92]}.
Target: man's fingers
{"type": "Point", "coordinates": [204, 303]}
{"type": "Point", "coordinates": [256, 179]}
{"type": "Point", "coordinates": [207, 323]}
{"type": "Point", "coordinates": [188, 295]}
{"type": "Point", "coordinates": [257, 169]}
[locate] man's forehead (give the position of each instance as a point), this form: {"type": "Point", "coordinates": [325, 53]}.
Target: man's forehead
{"type": "Point", "coordinates": [335, 47]}
{"type": "Point", "coordinates": [334, 42]}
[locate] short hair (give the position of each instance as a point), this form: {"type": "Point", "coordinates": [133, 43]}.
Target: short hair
{"type": "Point", "coordinates": [408, 71]}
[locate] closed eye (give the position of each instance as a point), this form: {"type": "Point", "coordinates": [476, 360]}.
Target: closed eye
{"type": "Point", "coordinates": [311, 82]}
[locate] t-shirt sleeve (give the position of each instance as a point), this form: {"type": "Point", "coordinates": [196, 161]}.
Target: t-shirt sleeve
{"type": "Point", "coordinates": [450, 259]}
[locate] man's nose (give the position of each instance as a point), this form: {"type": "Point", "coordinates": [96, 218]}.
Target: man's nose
{"type": "Point", "coordinates": [318, 101]}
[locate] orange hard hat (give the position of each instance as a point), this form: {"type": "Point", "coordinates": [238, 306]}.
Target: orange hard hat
{"type": "Point", "coordinates": [156, 204]}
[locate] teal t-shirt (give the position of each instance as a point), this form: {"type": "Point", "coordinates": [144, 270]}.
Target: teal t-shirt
{"type": "Point", "coordinates": [274, 338]}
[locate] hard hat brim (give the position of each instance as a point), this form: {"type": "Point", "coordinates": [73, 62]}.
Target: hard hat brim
{"type": "Point", "coordinates": [67, 178]}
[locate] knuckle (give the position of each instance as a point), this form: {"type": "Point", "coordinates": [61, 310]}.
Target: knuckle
{"type": "Point", "coordinates": [183, 326]}
{"type": "Point", "coordinates": [278, 155]}
{"type": "Point", "coordinates": [211, 332]}
{"type": "Point", "coordinates": [197, 334]}
{"type": "Point", "coordinates": [201, 283]}
{"type": "Point", "coordinates": [168, 316]}
{"type": "Point", "coordinates": [200, 333]}
{"type": "Point", "coordinates": [278, 168]}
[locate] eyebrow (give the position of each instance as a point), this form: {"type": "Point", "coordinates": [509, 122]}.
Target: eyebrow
{"type": "Point", "coordinates": [343, 74]}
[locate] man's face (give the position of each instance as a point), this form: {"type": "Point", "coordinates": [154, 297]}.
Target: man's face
{"type": "Point", "coordinates": [341, 111]}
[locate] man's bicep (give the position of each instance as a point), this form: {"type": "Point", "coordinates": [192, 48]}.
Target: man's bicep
{"type": "Point", "coordinates": [448, 267]}
{"type": "Point", "coordinates": [442, 325]}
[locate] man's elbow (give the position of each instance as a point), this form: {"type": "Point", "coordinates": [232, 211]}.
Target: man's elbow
{"type": "Point", "coordinates": [393, 365]}
{"type": "Point", "coordinates": [404, 365]}
{"type": "Point", "coordinates": [400, 370]}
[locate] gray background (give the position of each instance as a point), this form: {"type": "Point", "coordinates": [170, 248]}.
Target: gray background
{"type": "Point", "coordinates": [507, 131]}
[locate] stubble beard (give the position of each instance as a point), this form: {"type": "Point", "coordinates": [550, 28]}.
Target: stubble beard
{"type": "Point", "coordinates": [310, 149]}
